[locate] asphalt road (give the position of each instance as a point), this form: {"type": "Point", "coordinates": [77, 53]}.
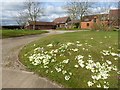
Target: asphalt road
{"type": "Point", "coordinates": [14, 74]}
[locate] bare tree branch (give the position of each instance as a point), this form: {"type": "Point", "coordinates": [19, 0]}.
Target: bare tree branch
{"type": "Point", "coordinates": [77, 10]}
{"type": "Point", "coordinates": [31, 12]}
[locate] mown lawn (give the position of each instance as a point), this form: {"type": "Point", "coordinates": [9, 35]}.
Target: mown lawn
{"type": "Point", "coordinates": [18, 33]}
{"type": "Point", "coordinates": [86, 59]}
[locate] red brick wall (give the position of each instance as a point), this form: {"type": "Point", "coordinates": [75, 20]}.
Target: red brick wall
{"type": "Point", "coordinates": [85, 26]}
{"type": "Point", "coordinates": [91, 24]}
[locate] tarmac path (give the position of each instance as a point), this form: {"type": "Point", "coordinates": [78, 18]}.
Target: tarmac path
{"type": "Point", "coordinates": [14, 74]}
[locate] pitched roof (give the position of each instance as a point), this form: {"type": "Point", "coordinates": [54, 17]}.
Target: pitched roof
{"type": "Point", "coordinates": [61, 20]}
{"type": "Point", "coordinates": [41, 23]}
{"type": "Point", "coordinates": [90, 17]}
{"type": "Point", "coordinates": [74, 21]}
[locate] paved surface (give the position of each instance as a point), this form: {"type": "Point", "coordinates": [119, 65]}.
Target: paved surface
{"type": "Point", "coordinates": [14, 74]}
{"type": "Point", "coordinates": [23, 79]}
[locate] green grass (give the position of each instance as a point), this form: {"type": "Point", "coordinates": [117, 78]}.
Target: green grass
{"type": "Point", "coordinates": [80, 76]}
{"type": "Point", "coordinates": [18, 33]}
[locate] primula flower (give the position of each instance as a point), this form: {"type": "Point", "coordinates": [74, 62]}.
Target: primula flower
{"type": "Point", "coordinates": [69, 43]}
{"type": "Point", "coordinates": [70, 73]}
{"type": "Point", "coordinates": [105, 37]}
{"type": "Point", "coordinates": [75, 50]}
{"type": "Point", "coordinates": [83, 48]}
{"type": "Point", "coordinates": [101, 42]}
{"type": "Point", "coordinates": [58, 69]}
{"type": "Point", "coordinates": [109, 62]}
{"type": "Point", "coordinates": [114, 54]}
{"type": "Point", "coordinates": [49, 45]}
{"type": "Point", "coordinates": [76, 66]}
{"type": "Point", "coordinates": [89, 56]}
{"type": "Point", "coordinates": [77, 41]}
{"type": "Point", "coordinates": [118, 72]}
{"type": "Point", "coordinates": [116, 58]}
{"type": "Point", "coordinates": [64, 72]}
{"type": "Point", "coordinates": [79, 57]}
{"type": "Point", "coordinates": [90, 83]}
{"type": "Point", "coordinates": [106, 87]}
{"type": "Point", "coordinates": [99, 86]}
{"type": "Point", "coordinates": [67, 77]}
{"type": "Point", "coordinates": [105, 52]}
{"type": "Point", "coordinates": [79, 45]}
{"type": "Point", "coordinates": [34, 45]}
{"type": "Point", "coordinates": [65, 61]}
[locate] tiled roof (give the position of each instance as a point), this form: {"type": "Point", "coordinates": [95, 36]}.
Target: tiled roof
{"type": "Point", "coordinates": [61, 20]}
{"type": "Point", "coordinates": [90, 17]}
{"type": "Point", "coordinates": [74, 21]}
{"type": "Point", "coordinates": [41, 23]}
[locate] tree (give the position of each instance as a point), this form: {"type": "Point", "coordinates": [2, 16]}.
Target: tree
{"type": "Point", "coordinates": [21, 19]}
{"type": "Point", "coordinates": [106, 18]}
{"type": "Point", "coordinates": [77, 10]}
{"type": "Point", "coordinates": [31, 11]}
{"type": "Point", "coordinates": [34, 10]}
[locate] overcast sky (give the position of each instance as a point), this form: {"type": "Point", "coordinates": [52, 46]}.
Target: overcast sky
{"type": "Point", "coordinates": [54, 9]}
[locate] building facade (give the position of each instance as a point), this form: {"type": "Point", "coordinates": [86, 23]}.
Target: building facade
{"type": "Point", "coordinates": [40, 25]}
{"type": "Point", "coordinates": [90, 21]}
{"type": "Point", "coordinates": [62, 22]}
{"type": "Point", "coordinates": [112, 19]}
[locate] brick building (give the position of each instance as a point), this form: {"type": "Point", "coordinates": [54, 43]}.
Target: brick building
{"type": "Point", "coordinates": [88, 22]}
{"type": "Point", "coordinates": [62, 22]}
{"type": "Point", "coordinates": [111, 19]}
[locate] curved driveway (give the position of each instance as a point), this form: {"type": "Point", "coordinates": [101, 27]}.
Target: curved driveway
{"type": "Point", "coordinates": [14, 74]}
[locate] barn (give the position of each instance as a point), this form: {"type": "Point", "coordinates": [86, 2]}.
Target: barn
{"type": "Point", "coordinates": [40, 25]}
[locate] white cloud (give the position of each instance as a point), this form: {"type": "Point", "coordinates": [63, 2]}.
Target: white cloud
{"type": "Point", "coordinates": [102, 9]}
{"type": "Point", "coordinates": [52, 12]}
{"type": "Point", "coordinates": [10, 9]}
{"type": "Point", "coordinates": [112, 7]}
{"type": "Point", "coordinates": [51, 17]}
{"type": "Point", "coordinates": [50, 9]}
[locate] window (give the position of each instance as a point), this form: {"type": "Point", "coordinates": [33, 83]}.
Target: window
{"type": "Point", "coordinates": [87, 24]}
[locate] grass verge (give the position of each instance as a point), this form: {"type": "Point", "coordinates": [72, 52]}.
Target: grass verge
{"type": "Point", "coordinates": [75, 60]}
{"type": "Point", "coordinates": [18, 33]}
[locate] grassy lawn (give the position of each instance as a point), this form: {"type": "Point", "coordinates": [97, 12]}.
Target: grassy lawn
{"type": "Point", "coordinates": [75, 60]}
{"type": "Point", "coordinates": [17, 33]}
